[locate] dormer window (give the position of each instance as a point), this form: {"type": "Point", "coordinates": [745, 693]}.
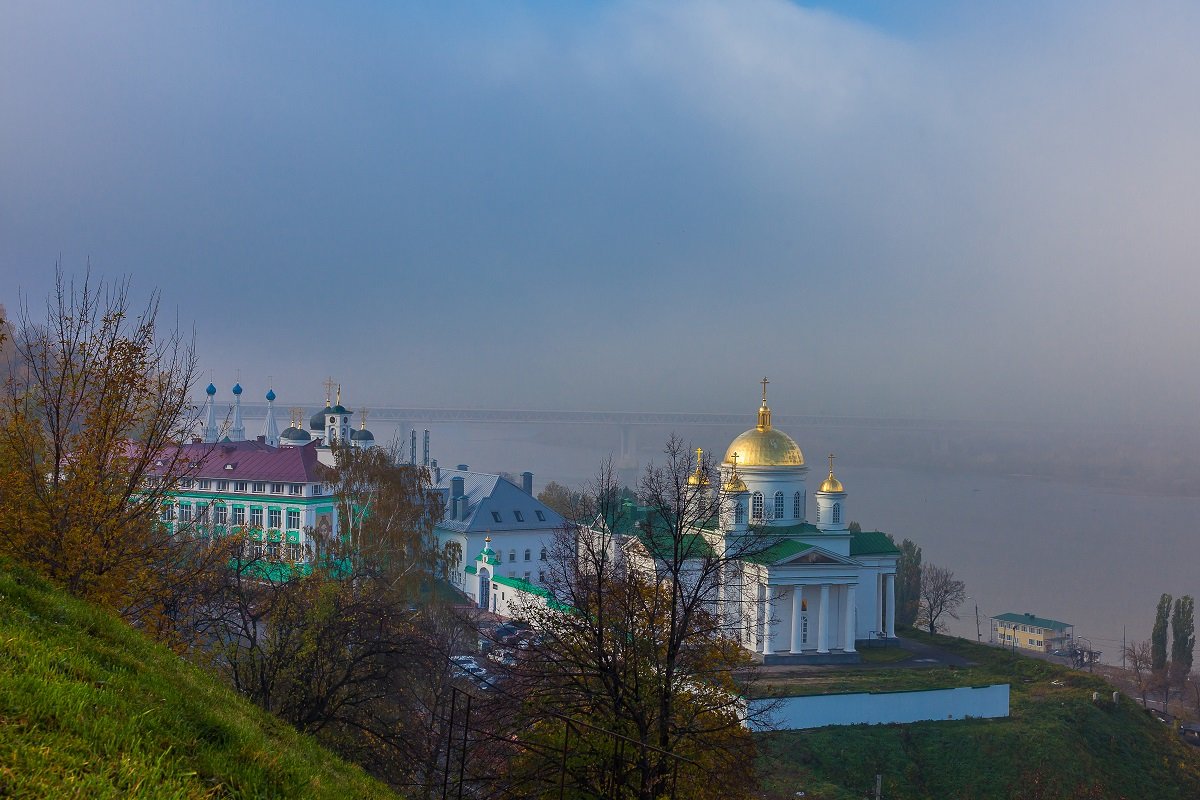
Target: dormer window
{"type": "Point", "coordinates": [541, 517]}
{"type": "Point", "coordinates": [520, 517]}
{"type": "Point", "coordinates": [496, 516]}
{"type": "Point", "coordinates": [230, 466]}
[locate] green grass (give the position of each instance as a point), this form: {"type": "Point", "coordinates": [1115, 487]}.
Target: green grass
{"type": "Point", "coordinates": [1056, 744]}
{"type": "Point", "coordinates": [89, 708]}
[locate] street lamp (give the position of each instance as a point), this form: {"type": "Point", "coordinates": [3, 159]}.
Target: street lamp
{"type": "Point", "coordinates": [978, 634]}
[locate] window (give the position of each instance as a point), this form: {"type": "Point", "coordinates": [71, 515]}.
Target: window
{"type": "Point", "coordinates": [496, 516]}
{"type": "Point", "coordinates": [239, 515]}
{"type": "Point", "coordinates": [527, 554]}
{"type": "Point", "coordinates": [837, 513]}
{"type": "Point", "coordinates": [273, 517]}
{"type": "Point", "coordinates": [756, 505]}
{"type": "Point", "coordinates": [541, 517]}
{"type": "Point", "coordinates": [202, 514]}
{"type": "Point", "coordinates": [239, 486]}
{"type": "Point", "coordinates": [185, 512]}
{"type": "Point", "coordinates": [797, 507]}
{"type": "Point", "coordinates": [512, 555]}
{"type": "Point", "coordinates": [317, 489]}
{"type": "Point", "coordinates": [255, 517]}
{"type": "Point", "coordinates": [541, 576]}
{"type": "Point", "coordinates": [542, 557]}
{"type": "Point", "coordinates": [167, 514]}
{"type": "Point", "coordinates": [779, 505]}
{"type": "Point", "coordinates": [276, 488]}
{"type": "Point", "coordinates": [293, 518]}
{"type": "Point", "coordinates": [222, 486]}
{"type": "Point", "coordinates": [297, 488]}
{"type": "Point", "coordinates": [293, 552]}
{"type": "Point", "coordinates": [202, 483]}
{"type": "Point", "coordinates": [273, 551]}
{"type": "Point", "coordinates": [527, 577]}
{"type": "Point", "coordinates": [220, 515]}
{"type": "Point", "coordinates": [520, 517]}
{"type": "Point", "coordinates": [260, 487]}
{"type": "Point", "coordinates": [185, 483]}
{"type": "Point", "coordinates": [739, 513]}
{"type": "Point", "coordinates": [818, 511]}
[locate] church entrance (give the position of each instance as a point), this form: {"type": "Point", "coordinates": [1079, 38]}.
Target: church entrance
{"type": "Point", "coordinates": [485, 586]}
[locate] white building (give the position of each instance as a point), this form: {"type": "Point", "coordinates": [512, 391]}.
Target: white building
{"type": "Point", "coordinates": [813, 590]}
{"type": "Point", "coordinates": [488, 512]}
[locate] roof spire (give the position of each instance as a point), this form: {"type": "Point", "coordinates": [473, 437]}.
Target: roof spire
{"type": "Point", "coordinates": [328, 389]}
{"type": "Point", "coordinates": [363, 411]}
{"type": "Point", "coordinates": [764, 413]}
{"type": "Point", "coordinates": [831, 465]}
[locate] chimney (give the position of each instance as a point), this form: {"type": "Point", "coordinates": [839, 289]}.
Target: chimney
{"type": "Point", "coordinates": [262, 439]}
{"type": "Point", "coordinates": [197, 440]}
{"type": "Point", "coordinates": [463, 468]}
{"type": "Point", "coordinates": [527, 482]}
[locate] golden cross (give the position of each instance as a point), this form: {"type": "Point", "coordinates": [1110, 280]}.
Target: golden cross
{"type": "Point", "coordinates": [363, 411]}
{"type": "Point", "coordinates": [734, 459]}
{"type": "Point", "coordinates": [328, 388]}
{"type": "Point", "coordinates": [764, 383]}
{"type": "Point", "coordinates": [831, 463]}
{"type": "Point", "coordinates": [339, 394]}
{"type": "Point", "coordinates": [699, 457]}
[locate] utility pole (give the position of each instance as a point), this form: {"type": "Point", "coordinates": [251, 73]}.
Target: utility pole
{"type": "Point", "coordinates": [878, 786]}
{"type": "Point", "coordinates": [1122, 648]}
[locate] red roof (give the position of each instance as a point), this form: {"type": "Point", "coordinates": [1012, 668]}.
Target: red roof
{"type": "Point", "coordinates": [253, 461]}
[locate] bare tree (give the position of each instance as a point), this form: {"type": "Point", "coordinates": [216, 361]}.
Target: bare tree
{"type": "Point", "coordinates": [941, 595]}
{"type": "Point", "coordinates": [646, 654]}
{"type": "Point", "coordinates": [1140, 661]}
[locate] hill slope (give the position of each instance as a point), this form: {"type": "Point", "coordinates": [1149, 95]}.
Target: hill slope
{"type": "Point", "coordinates": [1056, 744]}
{"type": "Point", "coordinates": [90, 708]}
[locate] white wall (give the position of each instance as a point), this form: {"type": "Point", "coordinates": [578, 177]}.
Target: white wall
{"type": "Point", "coordinates": [816, 711]}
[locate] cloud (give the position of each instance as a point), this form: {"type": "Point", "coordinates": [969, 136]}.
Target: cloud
{"type": "Point", "coordinates": [632, 205]}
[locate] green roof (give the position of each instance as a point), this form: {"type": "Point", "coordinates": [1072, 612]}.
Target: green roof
{"type": "Point", "coordinates": [470, 568]}
{"type": "Point", "coordinates": [525, 586]}
{"type": "Point", "coordinates": [799, 529]}
{"type": "Point", "coordinates": [777, 552]}
{"type": "Point", "coordinates": [662, 544]}
{"type": "Point", "coordinates": [872, 543]}
{"type": "Point", "coordinates": [1037, 622]}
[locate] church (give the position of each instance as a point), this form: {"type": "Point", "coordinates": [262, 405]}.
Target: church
{"type": "Point", "coordinates": [813, 591]}
{"type": "Point", "coordinates": [820, 589]}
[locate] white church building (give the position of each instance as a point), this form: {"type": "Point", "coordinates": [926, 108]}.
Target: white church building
{"type": "Point", "coordinates": [812, 591]}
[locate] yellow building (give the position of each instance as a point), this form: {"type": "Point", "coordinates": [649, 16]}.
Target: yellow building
{"type": "Point", "coordinates": [1028, 632]}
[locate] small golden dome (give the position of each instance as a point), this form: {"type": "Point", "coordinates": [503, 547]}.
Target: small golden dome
{"type": "Point", "coordinates": [832, 485]}
{"type": "Point", "coordinates": [735, 483]}
{"type": "Point", "coordinates": [763, 446]}
{"type": "Point", "coordinates": [699, 477]}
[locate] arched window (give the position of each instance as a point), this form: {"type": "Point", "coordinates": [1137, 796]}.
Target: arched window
{"type": "Point", "coordinates": [542, 557]}
{"type": "Point", "coordinates": [837, 513]}
{"type": "Point", "coordinates": [527, 554]}
{"type": "Point", "coordinates": [739, 513]}
{"type": "Point", "coordinates": [797, 507]}
{"type": "Point", "coordinates": [779, 505]}
{"type": "Point", "coordinates": [756, 506]}
{"type": "Point", "coordinates": [818, 511]}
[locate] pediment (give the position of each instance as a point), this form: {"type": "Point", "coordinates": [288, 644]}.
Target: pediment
{"type": "Point", "coordinates": [816, 556]}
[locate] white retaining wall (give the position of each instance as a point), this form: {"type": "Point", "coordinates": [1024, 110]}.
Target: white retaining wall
{"type": "Point", "coordinates": [879, 708]}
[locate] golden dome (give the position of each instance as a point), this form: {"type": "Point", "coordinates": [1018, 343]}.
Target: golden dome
{"type": "Point", "coordinates": [699, 477]}
{"type": "Point", "coordinates": [831, 484]}
{"type": "Point", "coordinates": [735, 484]}
{"type": "Point", "coordinates": [763, 446]}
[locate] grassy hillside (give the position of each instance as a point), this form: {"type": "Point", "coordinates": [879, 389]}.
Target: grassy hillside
{"type": "Point", "coordinates": [1057, 743]}
{"type": "Point", "coordinates": [91, 709]}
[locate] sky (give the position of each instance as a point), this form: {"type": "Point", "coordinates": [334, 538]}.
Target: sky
{"type": "Point", "coordinates": [944, 209]}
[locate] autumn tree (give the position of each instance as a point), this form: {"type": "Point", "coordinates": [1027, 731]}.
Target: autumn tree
{"type": "Point", "coordinates": [647, 654]}
{"type": "Point", "coordinates": [1183, 637]}
{"type": "Point", "coordinates": [386, 513]}
{"type": "Point", "coordinates": [1158, 636]}
{"type": "Point", "coordinates": [941, 595]}
{"type": "Point", "coordinates": [908, 583]}
{"type": "Point", "coordinates": [94, 408]}
{"type": "Point", "coordinates": [561, 499]}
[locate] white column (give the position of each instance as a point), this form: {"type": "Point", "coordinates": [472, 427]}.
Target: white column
{"type": "Point", "coordinates": [890, 619]}
{"type": "Point", "coordinates": [797, 612]}
{"type": "Point", "coordinates": [850, 618]}
{"type": "Point", "coordinates": [768, 621]}
{"type": "Point", "coordinates": [823, 621]}
{"type": "Point", "coordinates": [759, 629]}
